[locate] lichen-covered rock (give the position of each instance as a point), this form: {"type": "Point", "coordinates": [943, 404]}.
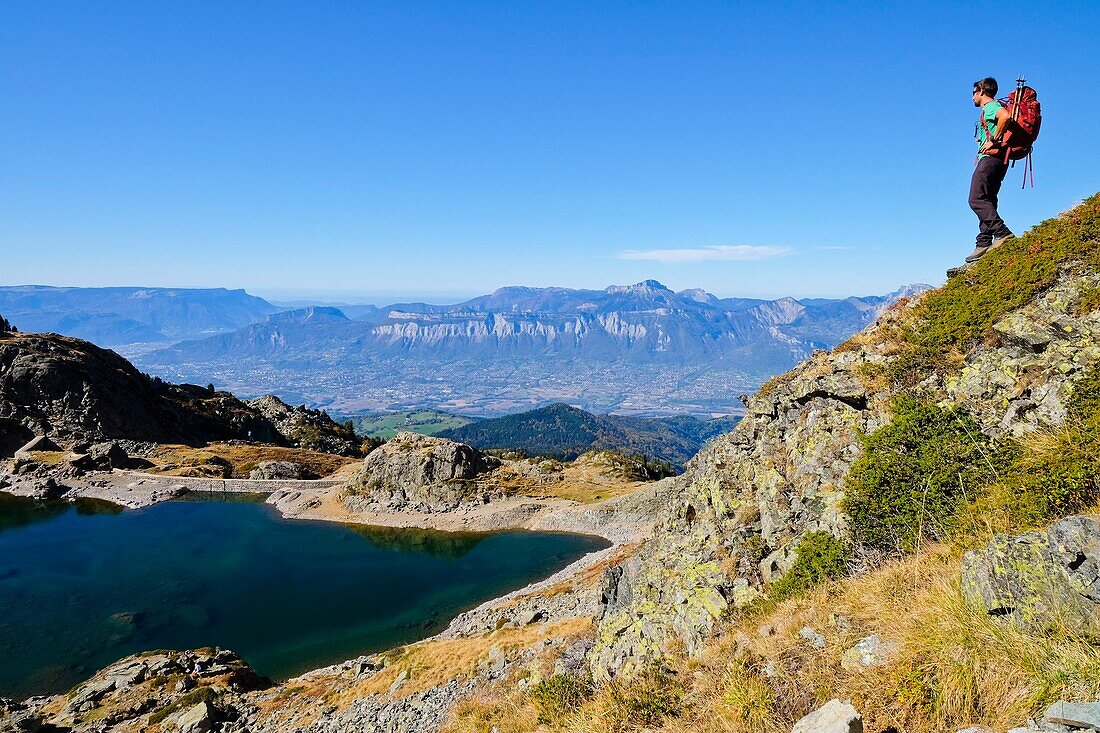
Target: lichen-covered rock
{"type": "Point", "coordinates": [418, 472]}
{"type": "Point", "coordinates": [738, 511]}
{"type": "Point", "coordinates": [745, 501]}
{"type": "Point", "coordinates": [870, 651]}
{"type": "Point", "coordinates": [1038, 578]}
{"type": "Point", "coordinates": [158, 687]}
{"type": "Point", "coordinates": [1023, 381]}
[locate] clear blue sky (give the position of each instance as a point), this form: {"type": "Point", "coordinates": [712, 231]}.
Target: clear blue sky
{"type": "Point", "coordinates": [446, 149]}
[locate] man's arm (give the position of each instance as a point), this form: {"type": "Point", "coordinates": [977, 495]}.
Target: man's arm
{"type": "Point", "coordinates": [1003, 118]}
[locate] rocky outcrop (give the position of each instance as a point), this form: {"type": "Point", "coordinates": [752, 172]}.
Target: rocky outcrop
{"type": "Point", "coordinates": [738, 512]}
{"type": "Point", "coordinates": [1039, 578]}
{"type": "Point", "coordinates": [280, 471]}
{"type": "Point", "coordinates": [1022, 379]}
{"type": "Point", "coordinates": [312, 429]}
{"type": "Point", "coordinates": [745, 501]}
{"type": "Point", "coordinates": [74, 391]}
{"type": "Point", "coordinates": [420, 473]}
{"type": "Point", "coordinates": [188, 690]}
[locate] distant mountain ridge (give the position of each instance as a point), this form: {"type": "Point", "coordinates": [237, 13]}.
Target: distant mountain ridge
{"type": "Point", "coordinates": [640, 322]}
{"type": "Point", "coordinates": [566, 432]}
{"type": "Point", "coordinates": [128, 315]}
{"type": "Point", "coordinates": [625, 349]}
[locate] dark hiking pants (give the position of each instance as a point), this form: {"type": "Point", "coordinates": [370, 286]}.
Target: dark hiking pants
{"type": "Point", "coordinates": [984, 187]}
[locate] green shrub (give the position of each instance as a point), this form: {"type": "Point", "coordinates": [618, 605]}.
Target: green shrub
{"type": "Point", "coordinates": [916, 473]}
{"type": "Point", "coordinates": [557, 696]}
{"type": "Point", "coordinates": [820, 557]}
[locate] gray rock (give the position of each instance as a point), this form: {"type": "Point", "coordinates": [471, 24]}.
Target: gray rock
{"type": "Point", "coordinates": [1035, 577]}
{"type": "Point", "coordinates": [419, 472]}
{"type": "Point", "coordinates": [816, 640]}
{"type": "Point", "coordinates": [277, 470]}
{"type": "Point", "coordinates": [869, 651]}
{"type": "Point", "coordinates": [198, 719]}
{"type": "Point", "coordinates": [1074, 714]}
{"type": "Point", "coordinates": [102, 457]}
{"type": "Point", "coordinates": [833, 717]}
{"type": "Point", "coordinates": [976, 729]}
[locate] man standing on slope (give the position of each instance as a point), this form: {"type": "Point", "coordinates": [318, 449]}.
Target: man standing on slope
{"type": "Point", "coordinates": [990, 168]}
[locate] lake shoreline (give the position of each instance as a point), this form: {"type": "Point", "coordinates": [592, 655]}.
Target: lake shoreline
{"type": "Point", "coordinates": [623, 521]}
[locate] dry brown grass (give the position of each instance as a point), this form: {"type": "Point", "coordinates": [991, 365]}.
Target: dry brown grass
{"type": "Point", "coordinates": [182, 460]}
{"type": "Point", "coordinates": [426, 664]}
{"type": "Point", "coordinates": [585, 480]}
{"type": "Point", "coordinates": [953, 665]}
{"type": "Point", "coordinates": [48, 457]}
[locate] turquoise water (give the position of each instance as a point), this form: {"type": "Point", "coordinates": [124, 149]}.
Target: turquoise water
{"type": "Point", "coordinates": [84, 585]}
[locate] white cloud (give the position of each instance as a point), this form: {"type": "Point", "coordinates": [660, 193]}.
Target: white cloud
{"type": "Point", "coordinates": [701, 254]}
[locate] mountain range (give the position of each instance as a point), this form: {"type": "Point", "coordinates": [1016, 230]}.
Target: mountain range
{"type": "Point", "coordinates": [629, 349]}
{"type": "Point", "coordinates": [614, 349]}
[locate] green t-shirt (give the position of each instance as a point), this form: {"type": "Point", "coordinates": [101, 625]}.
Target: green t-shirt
{"type": "Point", "coordinates": [989, 117]}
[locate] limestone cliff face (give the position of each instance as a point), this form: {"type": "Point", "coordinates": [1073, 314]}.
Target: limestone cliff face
{"type": "Point", "coordinates": [420, 473]}
{"type": "Point", "coordinates": [739, 511]}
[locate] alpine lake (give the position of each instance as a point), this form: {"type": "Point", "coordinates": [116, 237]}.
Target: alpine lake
{"type": "Point", "coordinates": [84, 584]}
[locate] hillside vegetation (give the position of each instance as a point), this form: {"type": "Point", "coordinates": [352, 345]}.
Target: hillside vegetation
{"type": "Point", "coordinates": [978, 408]}
{"type": "Point", "coordinates": [562, 431]}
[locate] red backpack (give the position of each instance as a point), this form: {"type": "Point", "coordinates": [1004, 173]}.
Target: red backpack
{"type": "Point", "coordinates": [1022, 131]}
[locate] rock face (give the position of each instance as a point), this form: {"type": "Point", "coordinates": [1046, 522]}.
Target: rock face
{"type": "Point", "coordinates": [420, 473]}
{"type": "Point", "coordinates": [1038, 578]}
{"type": "Point", "coordinates": [738, 512]}
{"type": "Point", "coordinates": [1022, 381]}
{"type": "Point", "coordinates": [745, 501]}
{"type": "Point", "coordinates": [71, 390]}
{"type": "Point", "coordinates": [312, 429]}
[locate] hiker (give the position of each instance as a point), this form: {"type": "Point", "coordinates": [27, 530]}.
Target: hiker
{"type": "Point", "coordinates": [989, 169]}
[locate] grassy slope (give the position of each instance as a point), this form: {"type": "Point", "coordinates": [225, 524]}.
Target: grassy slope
{"type": "Point", "coordinates": [952, 665]}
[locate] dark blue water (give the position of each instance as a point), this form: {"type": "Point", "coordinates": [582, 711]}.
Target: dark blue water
{"type": "Point", "coordinates": [82, 586]}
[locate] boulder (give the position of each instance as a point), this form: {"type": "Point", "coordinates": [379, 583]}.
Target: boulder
{"type": "Point", "coordinates": [833, 717]}
{"type": "Point", "coordinates": [1036, 578]}
{"type": "Point", "coordinates": [198, 719]}
{"type": "Point", "coordinates": [278, 470]}
{"type": "Point", "coordinates": [102, 457]}
{"type": "Point", "coordinates": [420, 472]}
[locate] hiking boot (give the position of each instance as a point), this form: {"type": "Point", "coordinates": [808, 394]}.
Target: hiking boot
{"type": "Point", "coordinates": [979, 250]}
{"type": "Point", "coordinates": [1001, 239]}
